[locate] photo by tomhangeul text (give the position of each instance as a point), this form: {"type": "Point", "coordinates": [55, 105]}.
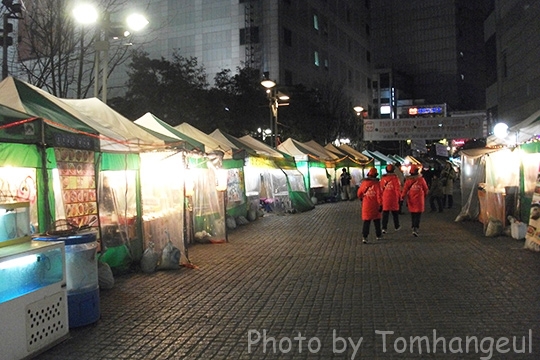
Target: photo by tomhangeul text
{"type": "Point", "coordinates": [390, 342]}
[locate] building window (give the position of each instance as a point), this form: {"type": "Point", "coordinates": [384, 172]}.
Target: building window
{"type": "Point", "coordinates": [368, 30]}
{"type": "Point", "coordinates": [249, 35]}
{"type": "Point", "coordinates": [316, 22]}
{"type": "Point", "coordinates": [349, 77]}
{"type": "Point", "coordinates": [368, 56]}
{"type": "Point", "coordinates": [287, 37]}
{"type": "Point", "coordinates": [368, 83]}
{"type": "Point", "coordinates": [326, 64]}
{"type": "Point", "coordinates": [316, 58]}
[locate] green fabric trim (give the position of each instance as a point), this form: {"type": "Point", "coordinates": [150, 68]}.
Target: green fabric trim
{"type": "Point", "coordinates": [113, 161]}
{"type": "Point", "coordinates": [19, 155]}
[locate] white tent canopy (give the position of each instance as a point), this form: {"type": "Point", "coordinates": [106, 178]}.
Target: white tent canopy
{"type": "Point", "coordinates": [211, 144]}
{"type": "Point", "coordinates": [153, 123]}
{"type": "Point", "coordinates": [520, 133]}
{"type": "Point", "coordinates": [128, 136]}
{"type": "Point", "coordinates": [260, 147]}
{"type": "Point", "coordinates": [324, 153]}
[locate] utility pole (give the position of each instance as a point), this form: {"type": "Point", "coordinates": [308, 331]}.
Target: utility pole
{"type": "Point", "coordinates": [13, 11]}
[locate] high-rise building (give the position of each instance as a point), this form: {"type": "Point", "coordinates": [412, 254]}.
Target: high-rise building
{"type": "Point", "coordinates": [294, 42]}
{"type": "Point", "coordinates": [512, 33]}
{"type": "Point", "coordinates": [437, 44]}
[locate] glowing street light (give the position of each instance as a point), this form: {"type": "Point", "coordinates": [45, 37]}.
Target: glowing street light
{"type": "Point", "coordinates": [274, 97]}
{"type": "Point", "coordinates": [88, 14]}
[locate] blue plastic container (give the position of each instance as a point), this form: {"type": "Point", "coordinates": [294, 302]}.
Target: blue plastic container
{"type": "Point", "coordinates": [81, 276]}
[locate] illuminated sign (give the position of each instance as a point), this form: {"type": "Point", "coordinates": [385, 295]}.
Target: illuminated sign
{"type": "Point", "coordinates": [467, 127]}
{"type": "Point", "coordinates": [426, 110]}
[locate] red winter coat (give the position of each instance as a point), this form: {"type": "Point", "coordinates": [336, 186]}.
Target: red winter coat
{"type": "Point", "coordinates": [391, 192]}
{"type": "Point", "coordinates": [415, 189]}
{"type": "Point", "coordinates": [369, 193]}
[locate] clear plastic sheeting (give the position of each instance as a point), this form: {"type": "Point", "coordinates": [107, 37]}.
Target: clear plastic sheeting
{"type": "Point", "coordinates": [498, 194]}
{"type": "Point", "coordinates": [117, 216]}
{"type": "Point", "coordinates": [270, 185]}
{"type": "Point", "coordinates": [162, 189]}
{"type": "Point", "coordinates": [208, 206]}
{"type": "Point", "coordinates": [531, 164]}
{"type": "Point", "coordinates": [472, 175]}
{"type": "Point", "coordinates": [19, 184]}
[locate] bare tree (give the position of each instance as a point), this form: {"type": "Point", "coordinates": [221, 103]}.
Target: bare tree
{"type": "Point", "coordinates": [58, 54]}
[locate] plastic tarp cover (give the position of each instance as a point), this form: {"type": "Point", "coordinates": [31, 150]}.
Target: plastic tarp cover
{"type": "Point", "coordinates": [209, 217]}
{"type": "Point", "coordinates": [498, 195]}
{"type": "Point", "coordinates": [118, 217]}
{"type": "Point", "coordinates": [531, 164]}
{"type": "Point", "coordinates": [162, 191]}
{"type": "Point", "coordinates": [298, 195]}
{"type": "Point", "coordinates": [472, 175]}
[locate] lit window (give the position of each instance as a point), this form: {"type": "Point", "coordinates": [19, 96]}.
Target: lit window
{"type": "Point", "coordinates": [316, 58]}
{"type": "Point", "coordinates": [316, 22]}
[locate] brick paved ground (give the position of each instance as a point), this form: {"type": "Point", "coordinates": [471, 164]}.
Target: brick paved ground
{"type": "Point", "coordinates": [309, 273]}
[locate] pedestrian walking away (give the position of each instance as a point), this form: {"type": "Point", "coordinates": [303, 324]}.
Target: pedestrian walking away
{"type": "Point", "coordinates": [401, 177]}
{"type": "Point", "coordinates": [415, 191]}
{"type": "Point", "coordinates": [345, 182]}
{"type": "Point", "coordinates": [448, 176]}
{"type": "Point", "coordinates": [369, 194]}
{"type": "Point", "coordinates": [391, 196]}
{"type": "Point", "coordinates": [435, 194]}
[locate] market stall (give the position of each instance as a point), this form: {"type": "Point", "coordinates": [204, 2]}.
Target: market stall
{"type": "Point", "coordinates": [355, 161]}
{"type": "Point", "coordinates": [66, 146]}
{"type": "Point", "coordinates": [131, 180]}
{"type": "Point", "coordinates": [271, 177]}
{"type": "Point", "coordinates": [316, 177]}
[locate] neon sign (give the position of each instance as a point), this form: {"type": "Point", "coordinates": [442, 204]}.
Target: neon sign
{"type": "Point", "coordinates": [425, 110]}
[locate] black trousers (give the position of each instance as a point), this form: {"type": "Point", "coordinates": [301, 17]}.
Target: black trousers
{"type": "Point", "coordinates": [385, 217]}
{"type": "Point", "coordinates": [415, 220]}
{"type": "Point", "coordinates": [366, 226]}
{"type": "Point", "coordinates": [448, 199]}
{"type": "Point", "coordinates": [436, 200]}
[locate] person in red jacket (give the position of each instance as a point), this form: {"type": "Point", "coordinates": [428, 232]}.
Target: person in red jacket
{"type": "Point", "coordinates": [369, 193]}
{"type": "Point", "coordinates": [391, 196]}
{"type": "Point", "coordinates": [415, 189]}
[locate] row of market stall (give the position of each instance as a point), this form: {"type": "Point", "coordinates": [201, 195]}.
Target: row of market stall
{"type": "Point", "coordinates": [500, 183]}
{"type": "Point", "coordinates": [145, 183]}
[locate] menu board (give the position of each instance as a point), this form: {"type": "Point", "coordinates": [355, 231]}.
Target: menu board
{"type": "Point", "coordinates": [77, 176]}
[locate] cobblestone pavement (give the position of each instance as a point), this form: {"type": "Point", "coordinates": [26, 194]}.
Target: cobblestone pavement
{"type": "Point", "coordinates": [309, 275]}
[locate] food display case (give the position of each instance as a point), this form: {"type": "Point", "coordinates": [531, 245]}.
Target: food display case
{"type": "Point", "coordinates": [33, 298]}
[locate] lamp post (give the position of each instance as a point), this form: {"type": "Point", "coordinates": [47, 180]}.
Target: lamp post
{"type": "Point", "coordinates": [359, 113]}
{"type": "Point", "coordinates": [13, 11]}
{"type": "Point", "coordinates": [105, 31]}
{"type": "Point", "coordinates": [273, 97]}
{"type": "Point", "coordinates": [221, 187]}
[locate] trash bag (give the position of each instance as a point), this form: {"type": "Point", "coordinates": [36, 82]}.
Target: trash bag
{"type": "Point", "coordinates": [494, 228]}
{"type": "Point", "coordinates": [105, 276]}
{"type": "Point", "coordinates": [231, 222]}
{"type": "Point", "coordinates": [170, 257]}
{"type": "Point", "coordinates": [241, 220]}
{"type": "Point", "coordinates": [252, 215]}
{"type": "Point", "coordinates": [149, 259]}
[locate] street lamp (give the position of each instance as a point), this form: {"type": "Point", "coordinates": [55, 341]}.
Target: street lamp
{"type": "Point", "coordinates": [88, 14]}
{"type": "Point", "coordinates": [273, 97]}
{"type": "Point", "coordinates": [221, 187]}
{"type": "Point", "coordinates": [359, 113]}
{"type": "Point", "coordinates": [358, 110]}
